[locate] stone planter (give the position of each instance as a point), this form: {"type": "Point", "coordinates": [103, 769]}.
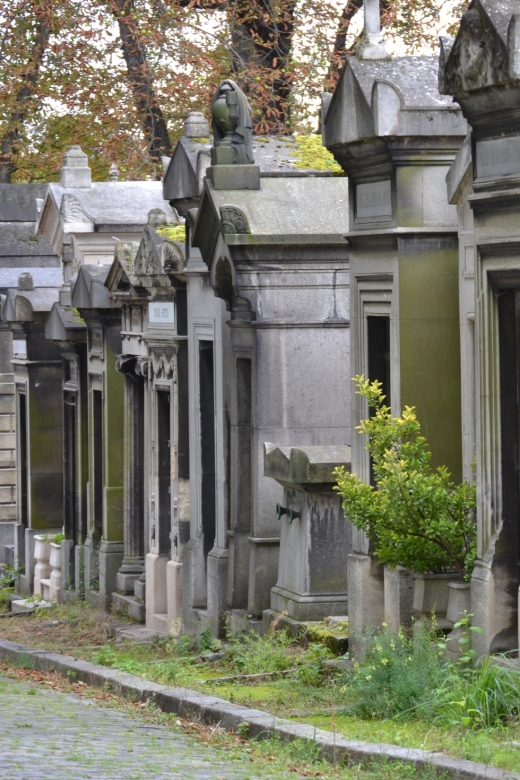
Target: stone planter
{"type": "Point", "coordinates": [431, 595]}
{"type": "Point", "coordinates": [52, 588]}
{"type": "Point", "coordinates": [42, 569]}
{"type": "Point", "coordinates": [459, 605]}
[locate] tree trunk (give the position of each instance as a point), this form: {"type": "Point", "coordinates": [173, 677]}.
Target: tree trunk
{"type": "Point", "coordinates": [8, 141]}
{"type": "Point", "coordinates": [260, 58]}
{"type": "Point", "coordinates": [141, 81]}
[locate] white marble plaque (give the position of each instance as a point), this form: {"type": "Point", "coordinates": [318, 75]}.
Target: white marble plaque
{"type": "Point", "coordinates": [20, 347]}
{"type": "Point", "coordinates": [161, 313]}
{"type": "Point", "coordinates": [499, 157]}
{"type": "Point", "coordinates": [374, 199]}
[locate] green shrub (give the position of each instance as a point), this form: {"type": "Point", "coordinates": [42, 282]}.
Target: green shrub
{"type": "Point", "coordinates": [397, 674]}
{"type": "Point", "coordinates": [416, 517]}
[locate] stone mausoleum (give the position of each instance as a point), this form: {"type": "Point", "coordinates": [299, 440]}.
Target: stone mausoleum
{"type": "Point", "coordinates": [176, 357]}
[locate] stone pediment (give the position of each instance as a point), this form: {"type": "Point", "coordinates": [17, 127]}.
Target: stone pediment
{"type": "Point", "coordinates": [121, 277]}
{"type": "Point", "coordinates": [158, 255]}
{"type": "Point", "coordinates": [485, 50]}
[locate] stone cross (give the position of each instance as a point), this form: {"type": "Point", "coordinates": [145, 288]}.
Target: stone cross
{"type": "Point", "coordinates": [372, 45]}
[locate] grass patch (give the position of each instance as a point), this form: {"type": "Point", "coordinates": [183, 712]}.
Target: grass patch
{"type": "Point", "coordinates": [346, 703]}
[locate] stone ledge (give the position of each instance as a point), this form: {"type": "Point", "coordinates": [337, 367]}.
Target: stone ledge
{"type": "Point", "coordinates": [212, 710]}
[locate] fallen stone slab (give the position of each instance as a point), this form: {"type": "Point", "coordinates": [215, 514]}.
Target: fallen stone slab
{"type": "Point", "coordinates": [249, 722]}
{"type": "Point", "coordinates": [26, 606]}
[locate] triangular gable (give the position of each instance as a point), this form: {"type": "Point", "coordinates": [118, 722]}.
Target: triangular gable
{"type": "Point", "coordinates": [64, 324]}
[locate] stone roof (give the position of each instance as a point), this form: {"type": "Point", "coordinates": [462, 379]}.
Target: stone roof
{"type": "Point", "coordinates": [20, 247]}
{"type": "Point", "coordinates": [287, 209]}
{"type": "Point", "coordinates": [18, 201]}
{"type": "Point", "coordinates": [109, 203]}
{"type": "Point", "coordinates": [89, 289]}
{"type": "Point", "coordinates": [275, 155]}
{"type": "Point", "coordinates": [415, 78]}
{"type": "Point", "coordinates": [42, 277]}
{"type": "Point", "coordinates": [28, 306]}
{"type": "Point", "coordinates": [64, 324]}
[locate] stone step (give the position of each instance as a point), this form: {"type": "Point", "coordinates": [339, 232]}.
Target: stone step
{"type": "Point", "coordinates": [158, 622]}
{"type": "Point", "coordinates": [129, 605]}
{"type": "Point", "coordinates": [140, 590]}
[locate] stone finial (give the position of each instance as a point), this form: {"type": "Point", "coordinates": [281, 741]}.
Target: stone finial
{"type": "Point", "coordinates": [75, 171]}
{"type": "Point", "coordinates": [113, 173]}
{"type": "Point", "coordinates": [25, 282]}
{"type": "Point", "coordinates": [372, 45]}
{"type": "Point", "coordinates": [196, 126]}
{"type": "Point", "coordinates": [156, 218]}
{"type": "Point", "coordinates": [232, 126]}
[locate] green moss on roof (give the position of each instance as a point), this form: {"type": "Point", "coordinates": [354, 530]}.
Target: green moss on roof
{"type": "Point", "coordinates": [311, 154]}
{"type": "Point", "coordinates": [173, 232]}
{"type": "Point", "coordinates": [200, 140]}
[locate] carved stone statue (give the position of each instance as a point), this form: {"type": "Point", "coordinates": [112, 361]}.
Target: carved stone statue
{"type": "Point", "coordinates": [232, 126]}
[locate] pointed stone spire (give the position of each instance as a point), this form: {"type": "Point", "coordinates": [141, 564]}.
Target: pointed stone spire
{"type": "Point", "coordinates": [113, 173]}
{"type": "Point", "coordinates": [75, 172]}
{"type": "Point", "coordinates": [372, 45]}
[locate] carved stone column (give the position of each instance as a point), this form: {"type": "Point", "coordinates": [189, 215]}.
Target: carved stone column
{"type": "Point", "coordinates": [133, 561]}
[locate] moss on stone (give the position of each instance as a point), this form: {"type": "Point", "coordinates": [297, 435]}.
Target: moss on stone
{"type": "Point", "coordinates": [312, 155]}
{"type": "Point", "coordinates": [173, 232]}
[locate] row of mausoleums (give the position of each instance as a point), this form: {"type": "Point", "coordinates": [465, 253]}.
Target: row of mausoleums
{"type": "Point", "coordinates": [174, 389]}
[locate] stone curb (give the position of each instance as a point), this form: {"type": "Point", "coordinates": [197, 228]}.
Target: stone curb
{"type": "Point", "coordinates": [255, 723]}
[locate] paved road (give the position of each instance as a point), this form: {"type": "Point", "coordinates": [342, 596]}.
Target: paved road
{"type": "Point", "coordinates": [48, 735]}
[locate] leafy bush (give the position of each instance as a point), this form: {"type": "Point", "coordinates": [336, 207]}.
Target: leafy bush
{"type": "Point", "coordinates": [397, 674]}
{"type": "Point", "coordinates": [416, 517]}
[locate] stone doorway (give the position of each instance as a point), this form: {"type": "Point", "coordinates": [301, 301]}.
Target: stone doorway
{"type": "Point", "coordinates": [506, 561]}
{"type": "Point", "coordinates": [207, 444]}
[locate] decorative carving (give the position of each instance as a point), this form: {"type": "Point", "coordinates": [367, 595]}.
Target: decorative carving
{"type": "Point", "coordinates": [163, 366]}
{"type": "Point", "coordinates": [234, 220]}
{"type": "Point", "coordinates": [173, 260]}
{"type": "Point", "coordinates": [232, 126]}
{"type": "Point", "coordinates": [141, 366]}
{"type": "Point", "coordinates": [72, 210]}
{"type": "Point", "coordinates": [477, 58]}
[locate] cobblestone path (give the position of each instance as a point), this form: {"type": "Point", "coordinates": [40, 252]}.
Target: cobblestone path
{"type": "Point", "coordinates": [47, 735]}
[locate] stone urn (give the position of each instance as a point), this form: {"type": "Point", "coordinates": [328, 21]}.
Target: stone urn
{"type": "Point", "coordinates": [431, 595]}
{"type": "Point", "coordinates": [459, 605]}
{"type": "Point", "coordinates": [55, 577]}
{"type": "Point", "coordinates": [42, 569]}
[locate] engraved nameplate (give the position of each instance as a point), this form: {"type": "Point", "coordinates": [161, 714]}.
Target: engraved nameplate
{"type": "Point", "coordinates": [500, 157]}
{"type": "Point", "coordinates": [374, 199]}
{"type": "Point", "coordinates": [161, 313]}
{"type": "Point", "coordinates": [19, 347]}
